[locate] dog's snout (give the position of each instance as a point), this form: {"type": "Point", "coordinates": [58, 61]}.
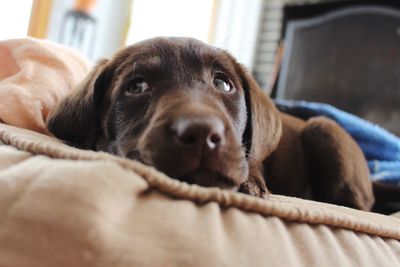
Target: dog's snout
{"type": "Point", "coordinates": [200, 133]}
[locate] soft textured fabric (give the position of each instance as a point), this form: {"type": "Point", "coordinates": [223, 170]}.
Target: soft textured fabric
{"type": "Point", "coordinates": [61, 206]}
{"type": "Point", "coordinates": [34, 75]}
{"type": "Point", "coordinates": [381, 148]}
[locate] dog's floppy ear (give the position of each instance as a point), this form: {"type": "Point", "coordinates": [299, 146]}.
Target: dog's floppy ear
{"type": "Point", "coordinates": [75, 118]}
{"type": "Point", "coordinates": [264, 127]}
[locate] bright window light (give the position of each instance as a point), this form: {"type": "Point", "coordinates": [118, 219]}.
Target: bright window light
{"type": "Point", "coordinates": [152, 18]}
{"type": "Point", "coordinates": [14, 18]}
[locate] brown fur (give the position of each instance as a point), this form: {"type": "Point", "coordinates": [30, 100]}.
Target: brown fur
{"type": "Point", "coordinates": [323, 163]}
{"type": "Point", "coordinates": [171, 126]}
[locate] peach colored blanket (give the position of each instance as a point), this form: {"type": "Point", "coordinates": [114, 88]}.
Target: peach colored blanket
{"type": "Point", "coordinates": [34, 74]}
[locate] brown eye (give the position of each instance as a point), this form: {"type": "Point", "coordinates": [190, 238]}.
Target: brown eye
{"type": "Point", "coordinates": [137, 86]}
{"type": "Point", "coordinates": [221, 82]}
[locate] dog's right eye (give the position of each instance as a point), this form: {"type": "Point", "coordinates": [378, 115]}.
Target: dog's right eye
{"type": "Point", "coordinates": [137, 86]}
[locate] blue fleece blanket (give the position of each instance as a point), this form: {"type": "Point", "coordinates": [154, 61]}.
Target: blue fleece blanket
{"type": "Point", "coordinates": [381, 148]}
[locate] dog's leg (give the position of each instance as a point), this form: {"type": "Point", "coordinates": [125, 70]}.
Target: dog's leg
{"type": "Point", "coordinates": [339, 172]}
{"type": "Point", "coordinates": [254, 185]}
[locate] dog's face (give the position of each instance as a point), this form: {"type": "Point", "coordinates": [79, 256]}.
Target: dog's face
{"type": "Point", "coordinates": [186, 108]}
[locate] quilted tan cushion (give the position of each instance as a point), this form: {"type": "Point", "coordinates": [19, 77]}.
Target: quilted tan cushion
{"type": "Point", "coordinates": [61, 206]}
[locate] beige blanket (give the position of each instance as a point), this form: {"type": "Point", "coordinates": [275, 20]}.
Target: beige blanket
{"type": "Point", "coordinates": [61, 206]}
{"type": "Point", "coordinates": [34, 75]}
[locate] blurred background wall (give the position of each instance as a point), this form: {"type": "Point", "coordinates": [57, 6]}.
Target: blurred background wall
{"type": "Point", "coordinates": [249, 29]}
{"type": "Point", "coordinates": [100, 27]}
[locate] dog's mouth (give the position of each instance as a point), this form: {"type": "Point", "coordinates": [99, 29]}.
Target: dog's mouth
{"type": "Point", "coordinates": [217, 169]}
{"type": "Point", "coordinates": [200, 176]}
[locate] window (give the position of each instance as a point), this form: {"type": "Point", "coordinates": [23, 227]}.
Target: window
{"type": "Point", "coordinates": [14, 18]}
{"type": "Point", "coordinates": [171, 18]}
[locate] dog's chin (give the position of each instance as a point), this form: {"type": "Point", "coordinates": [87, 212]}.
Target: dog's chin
{"type": "Point", "coordinates": [195, 174]}
{"type": "Point", "coordinates": [209, 179]}
{"type": "Point", "coordinates": [134, 155]}
{"type": "Point", "coordinates": [200, 176]}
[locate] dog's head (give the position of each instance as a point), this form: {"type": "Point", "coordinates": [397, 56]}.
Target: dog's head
{"type": "Point", "coordinates": [182, 106]}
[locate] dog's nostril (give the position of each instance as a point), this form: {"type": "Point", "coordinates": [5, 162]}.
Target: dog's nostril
{"type": "Point", "coordinates": [214, 140]}
{"type": "Point", "coordinates": [187, 139]}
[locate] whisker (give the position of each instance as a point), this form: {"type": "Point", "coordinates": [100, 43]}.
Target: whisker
{"type": "Point", "coordinates": [229, 36]}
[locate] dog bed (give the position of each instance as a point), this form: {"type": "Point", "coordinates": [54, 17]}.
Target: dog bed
{"type": "Point", "coordinates": [61, 206]}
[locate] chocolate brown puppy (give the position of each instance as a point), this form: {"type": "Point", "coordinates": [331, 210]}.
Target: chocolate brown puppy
{"type": "Point", "coordinates": [194, 113]}
{"type": "Point", "coordinates": [177, 104]}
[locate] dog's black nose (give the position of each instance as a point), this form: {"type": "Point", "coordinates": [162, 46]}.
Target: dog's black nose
{"type": "Point", "coordinates": [200, 133]}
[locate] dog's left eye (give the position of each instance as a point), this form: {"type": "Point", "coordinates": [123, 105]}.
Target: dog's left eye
{"type": "Point", "coordinates": [137, 86]}
{"type": "Point", "coordinates": [221, 82]}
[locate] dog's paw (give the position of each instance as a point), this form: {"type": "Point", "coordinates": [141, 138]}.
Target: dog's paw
{"type": "Point", "coordinates": [254, 187]}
